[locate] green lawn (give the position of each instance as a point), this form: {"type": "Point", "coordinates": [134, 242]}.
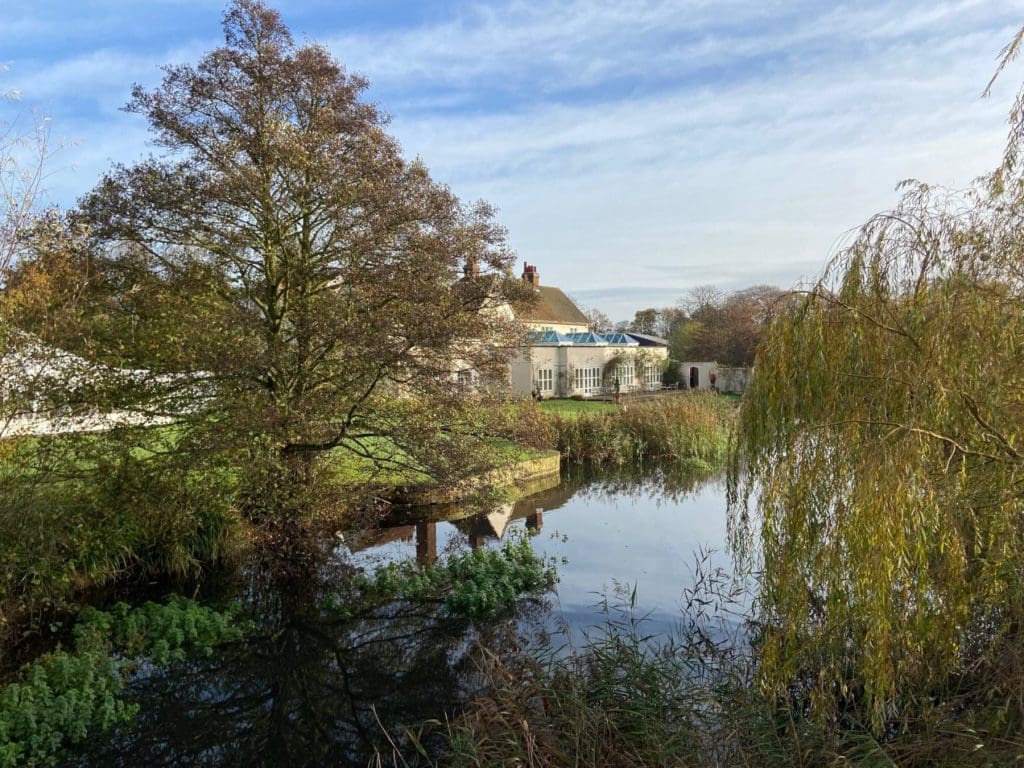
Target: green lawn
{"type": "Point", "coordinates": [347, 467]}
{"type": "Point", "coordinates": [350, 468]}
{"type": "Point", "coordinates": [575, 407]}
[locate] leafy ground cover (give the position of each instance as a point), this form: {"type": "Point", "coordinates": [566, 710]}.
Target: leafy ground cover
{"type": "Point", "coordinates": [476, 584]}
{"type": "Point", "coordinates": [69, 695]}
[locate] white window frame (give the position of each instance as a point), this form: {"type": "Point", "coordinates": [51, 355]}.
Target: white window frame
{"type": "Point", "coordinates": [652, 376]}
{"type": "Point", "coordinates": [588, 380]}
{"type": "Point", "coordinates": [546, 380]}
{"type": "Point", "coordinates": [627, 375]}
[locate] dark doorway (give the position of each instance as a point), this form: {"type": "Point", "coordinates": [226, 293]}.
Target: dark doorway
{"type": "Point", "coordinates": [694, 377]}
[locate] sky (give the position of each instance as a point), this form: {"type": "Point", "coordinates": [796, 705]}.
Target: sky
{"type": "Point", "coordinates": [634, 149]}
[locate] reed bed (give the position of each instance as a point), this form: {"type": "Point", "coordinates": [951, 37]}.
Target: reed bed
{"type": "Point", "coordinates": [692, 428]}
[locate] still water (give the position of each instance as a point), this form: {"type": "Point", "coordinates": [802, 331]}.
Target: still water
{"type": "Point", "coordinates": [603, 530]}
{"type": "Point", "coordinates": [311, 689]}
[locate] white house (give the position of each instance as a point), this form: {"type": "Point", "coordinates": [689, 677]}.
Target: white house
{"type": "Point", "coordinates": [563, 357]}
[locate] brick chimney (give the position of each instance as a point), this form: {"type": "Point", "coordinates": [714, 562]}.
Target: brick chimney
{"type": "Point", "coordinates": [531, 275]}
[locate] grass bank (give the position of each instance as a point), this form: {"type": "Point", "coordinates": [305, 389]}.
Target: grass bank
{"type": "Point", "coordinates": [79, 512]}
{"type": "Point", "coordinates": [566, 407]}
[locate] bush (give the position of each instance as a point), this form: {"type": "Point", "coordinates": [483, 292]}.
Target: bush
{"type": "Point", "coordinates": [475, 584]}
{"type": "Point", "coordinates": [670, 377]}
{"type": "Point", "coordinates": [78, 512]}
{"type": "Point", "coordinates": [67, 696]}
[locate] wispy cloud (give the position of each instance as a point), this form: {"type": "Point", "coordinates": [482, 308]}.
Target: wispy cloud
{"type": "Point", "coordinates": [634, 149]}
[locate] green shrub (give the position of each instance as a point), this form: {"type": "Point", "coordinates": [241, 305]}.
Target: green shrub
{"type": "Point", "coordinates": [65, 697]}
{"type": "Point", "coordinates": [476, 584]}
{"type": "Point", "coordinates": [486, 580]}
{"type": "Point", "coordinates": [62, 699]}
{"type": "Point", "coordinates": [80, 511]}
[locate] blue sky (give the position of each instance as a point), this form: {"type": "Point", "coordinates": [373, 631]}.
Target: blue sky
{"type": "Point", "coordinates": [634, 149]}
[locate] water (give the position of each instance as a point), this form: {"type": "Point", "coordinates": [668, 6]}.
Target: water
{"type": "Point", "coordinates": [603, 530]}
{"type": "Point", "coordinates": [311, 690]}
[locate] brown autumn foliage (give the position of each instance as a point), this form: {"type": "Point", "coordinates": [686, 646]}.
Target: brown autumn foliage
{"type": "Point", "coordinates": [280, 281]}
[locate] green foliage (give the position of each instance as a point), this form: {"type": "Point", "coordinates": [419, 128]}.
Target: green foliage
{"type": "Point", "coordinates": [80, 511]}
{"type": "Point", "coordinates": [692, 428]}
{"type": "Point", "coordinates": [485, 580]}
{"type": "Point", "coordinates": [879, 468]}
{"type": "Point", "coordinates": [160, 632]}
{"type": "Point", "coordinates": [476, 584]}
{"type": "Point", "coordinates": [61, 701]}
{"type": "Point", "coordinates": [671, 377]}
{"type": "Point", "coordinates": [66, 697]}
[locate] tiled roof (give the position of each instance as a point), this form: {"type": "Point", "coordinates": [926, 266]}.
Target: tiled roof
{"type": "Point", "coordinates": [552, 306]}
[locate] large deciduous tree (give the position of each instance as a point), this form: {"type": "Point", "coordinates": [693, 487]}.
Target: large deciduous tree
{"type": "Point", "coordinates": [883, 438]}
{"type": "Point", "coordinates": [280, 280]}
{"type": "Point", "coordinates": [723, 327]}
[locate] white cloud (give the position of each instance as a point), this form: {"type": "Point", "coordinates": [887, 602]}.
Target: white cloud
{"type": "Point", "coordinates": [649, 146]}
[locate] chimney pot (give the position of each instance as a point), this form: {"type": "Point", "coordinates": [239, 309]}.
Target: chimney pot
{"type": "Point", "coordinates": [530, 274]}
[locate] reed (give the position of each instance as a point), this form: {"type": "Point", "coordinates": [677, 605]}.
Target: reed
{"type": "Point", "coordinates": [692, 428]}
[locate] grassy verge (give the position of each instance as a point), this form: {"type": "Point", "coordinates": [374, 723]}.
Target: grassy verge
{"type": "Point", "coordinates": [388, 465]}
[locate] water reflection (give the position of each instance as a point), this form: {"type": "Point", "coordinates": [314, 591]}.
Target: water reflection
{"type": "Point", "coordinates": [308, 689]}
{"type": "Point", "coordinates": [635, 526]}
{"type": "Point", "coordinates": [311, 688]}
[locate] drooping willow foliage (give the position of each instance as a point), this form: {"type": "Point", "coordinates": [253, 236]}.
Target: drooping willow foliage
{"type": "Point", "coordinates": [879, 464]}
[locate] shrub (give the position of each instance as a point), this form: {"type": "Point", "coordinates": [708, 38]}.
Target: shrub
{"type": "Point", "coordinates": [67, 696]}
{"type": "Point", "coordinates": [78, 512]}
{"type": "Point", "coordinates": [476, 584]}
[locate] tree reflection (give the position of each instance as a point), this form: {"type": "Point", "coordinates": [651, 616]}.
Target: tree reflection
{"type": "Point", "coordinates": [671, 481]}
{"type": "Point", "coordinates": [307, 688]}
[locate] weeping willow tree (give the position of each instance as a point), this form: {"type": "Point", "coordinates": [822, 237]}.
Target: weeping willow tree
{"type": "Point", "coordinates": [880, 459]}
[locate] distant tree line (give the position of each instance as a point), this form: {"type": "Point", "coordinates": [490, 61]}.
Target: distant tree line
{"type": "Point", "coordinates": [706, 324]}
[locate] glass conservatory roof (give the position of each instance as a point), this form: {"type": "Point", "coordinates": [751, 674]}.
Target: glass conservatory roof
{"type": "Point", "coordinates": [548, 337]}
{"type": "Point", "coordinates": [587, 338]}
{"type": "Point", "coordinates": [620, 338]}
